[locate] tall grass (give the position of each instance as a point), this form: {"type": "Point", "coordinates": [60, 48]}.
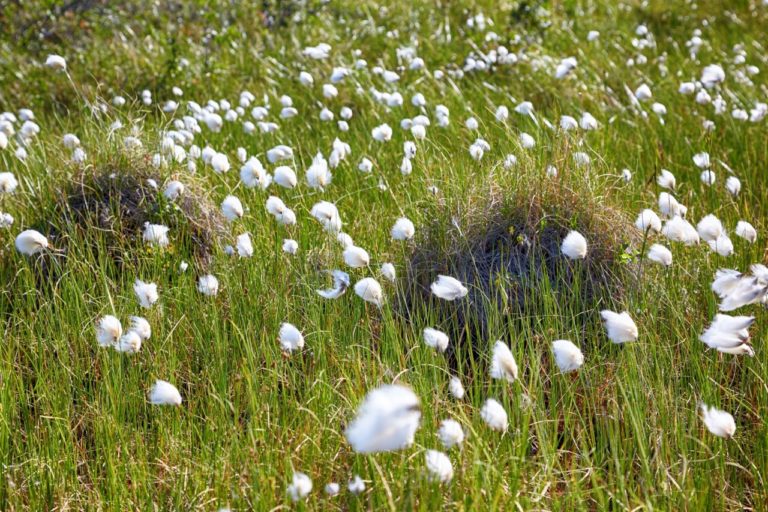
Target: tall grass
{"type": "Point", "coordinates": [76, 429]}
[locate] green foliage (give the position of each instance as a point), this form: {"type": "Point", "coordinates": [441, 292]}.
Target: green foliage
{"type": "Point", "coordinates": [76, 429]}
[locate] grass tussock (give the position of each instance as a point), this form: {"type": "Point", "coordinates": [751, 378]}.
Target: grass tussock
{"type": "Point", "coordinates": [115, 204]}
{"type": "Point", "coordinates": [506, 247]}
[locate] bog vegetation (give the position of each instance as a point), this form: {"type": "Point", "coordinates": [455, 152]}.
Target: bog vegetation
{"type": "Point", "coordinates": [464, 255]}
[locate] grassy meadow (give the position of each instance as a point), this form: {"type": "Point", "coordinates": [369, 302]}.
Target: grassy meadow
{"type": "Point", "coordinates": [623, 432]}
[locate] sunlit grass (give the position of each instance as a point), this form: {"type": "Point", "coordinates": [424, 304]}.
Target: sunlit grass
{"type": "Point", "coordinates": [77, 430]}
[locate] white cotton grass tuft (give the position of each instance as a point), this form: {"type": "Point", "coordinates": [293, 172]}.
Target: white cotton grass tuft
{"type": "Point", "coordinates": [494, 415]}
{"type": "Point", "coordinates": [403, 229]}
{"type": "Point", "coordinates": [31, 242]}
{"type": "Point", "coordinates": [582, 159]}
{"type": "Point", "coordinates": [660, 254]}
{"type": "Point", "coordinates": [712, 75]}
{"type": "Point", "coordinates": [677, 229]}
{"type": "Point", "coordinates": [244, 245]}
{"type": "Point", "coordinates": [332, 489]}
{"type": "Point", "coordinates": [285, 177]}
{"type": "Point", "coordinates": [156, 234]}
{"type": "Point", "coordinates": [328, 215]}
{"type": "Point", "coordinates": [574, 246]}
{"type": "Point", "coordinates": [733, 185]}
{"type": "Point", "coordinates": [146, 293]}
{"type": "Point", "coordinates": [344, 239]}
{"type": "Point", "coordinates": [524, 108]}
{"type": "Point", "coordinates": [710, 228]}
{"type": "Point", "coordinates": [129, 343]}
{"type": "Point", "coordinates": [365, 165]}
{"type": "Point", "coordinates": [708, 177]}
{"type": "Point", "coordinates": [588, 122]}
{"type": "Point", "coordinates": [388, 272]}
{"type": "Point", "coordinates": [726, 281]}
{"type": "Point", "coordinates": [456, 388]}
{"type": "Point", "coordinates": [701, 160]}
{"type": "Point", "coordinates": [300, 487]}
{"type": "Point", "coordinates": [439, 466]}
{"type": "Point", "coordinates": [406, 167]}
{"type": "Point", "coordinates": [290, 337]}
{"type": "Point", "coordinates": [737, 290]}
{"type": "Point", "coordinates": [503, 364]}
{"type": "Point", "coordinates": [280, 152]}
{"type": "Point", "coordinates": [232, 208]}
{"type": "Point", "coordinates": [318, 174]}
{"type": "Point", "coordinates": [8, 182]}
{"type": "Point", "coordinates": [108, 331]}
{"type": "Point", "coordinates": [220, 163]}
{"type": "Point", "coordinates": [386, 421]}
{"type": "Point", "coordinates": [670, 207]}
{"type": "Point", "coordinates": [565, 67]}
{"type": "Point", "coordinates": [253, 174]}
{"type": "Point", "coordinates": [648, 221]}
{"type": "Point", "coordinates": [450, 433]}
{"type": "Point", "coordinates": [729, 334]}
{"type": "Point", "coordinates": [382, 133]}
{"type": "Point", "coordinates": [356, 257]}
{"type": "Point", "coordinates": [643, 93]}
{"type": "Point", "coordinates": [282, 213]}
{"type": "Point", "coordinates": [173, 190]}
{"type": "Point", "coordinates": [141, 326]}
{"type": "Point", "coordinates": [370, 290]}
{"type": "Point", "coordinates": [619, 327]}
{"type": "Point", "coordinates": [56, 62]}
{"type": "Point", "coordinates": [435, 339]}
{"type": "Point", "coordinates": [719, 423]}
{"type": "Point", "coordinates": [568, 356]}
{"type": "Point", "coordinates": [568, 123]}
{"type": "Point", "coordinates": [340, 285]}
{"type": "Point", "coordinates": [6, 220]}
{"type": "Point", "coordinates": [164, 393]}
{"type": "Point", "coordinates": [290, 246]}
{"type": "Point", "coordinates": [722, 245]}
{"type": "Point", "coordinates": [478, 149]}
{"type": "Point", "coordinates": [666, 179]}
{"type": "Point", "coordinates": [448, 288]}
{"type": "Point", "coordinates": [356, 485]}
{"type": "Point", "coordinates": [208, 285]}
{"type": "Point", "coordinates": [746, 231]}
{"type": "Point", "coordinates": [527, 141]}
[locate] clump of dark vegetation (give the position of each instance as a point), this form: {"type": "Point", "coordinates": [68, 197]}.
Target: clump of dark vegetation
{"type": "Point", "coordinates": [506, 250]}
{"type": "Point", "coordinates": [107, 210]}
{"type": "Point", "coordinates": [99, 216]}
{"type": "Point", "coordinates": [280, 13]}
